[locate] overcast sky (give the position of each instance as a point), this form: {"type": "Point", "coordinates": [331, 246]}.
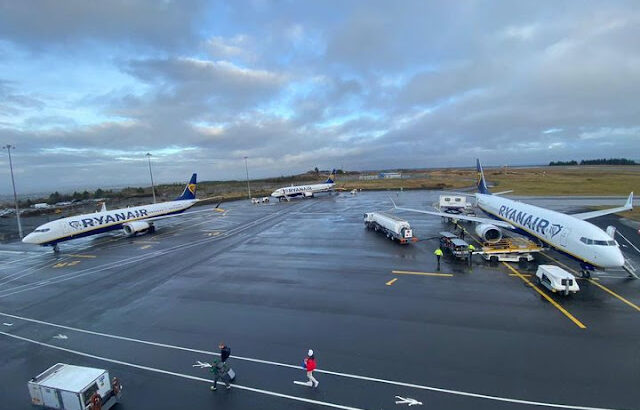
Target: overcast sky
{"type": "Point", "coordinates": [88, 87]}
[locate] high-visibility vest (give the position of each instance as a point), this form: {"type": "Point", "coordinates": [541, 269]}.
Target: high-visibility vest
{"type": "Point", "coordinates": [438, 252]}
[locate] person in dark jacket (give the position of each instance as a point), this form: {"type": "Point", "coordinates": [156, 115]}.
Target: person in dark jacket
{"type": "Point", "coordinates": [225, 352]}
{"type": "Point", "coordinates": [220, 370]}
{"type": "Point", "coordinates": [220, 367]}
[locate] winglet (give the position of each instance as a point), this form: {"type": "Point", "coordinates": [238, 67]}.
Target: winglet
{"type": "Point", "coordinates": [629, 203]}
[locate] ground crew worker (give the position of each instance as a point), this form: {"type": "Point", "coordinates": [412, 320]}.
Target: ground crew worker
{"type": "Point", "coordinates": [461, 233]}
{"type": "Point", "coordinates": [438, 253]}
{"type": "Point", "coordinates": [471, 249]}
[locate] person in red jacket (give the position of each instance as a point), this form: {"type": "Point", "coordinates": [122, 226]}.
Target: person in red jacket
{"type": "Point", "coordinates": [310, 366]}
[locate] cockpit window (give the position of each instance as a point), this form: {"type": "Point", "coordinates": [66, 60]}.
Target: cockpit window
{"type": "Point", "coordinates": [42, 230]}
{"type": "Point", "coordinates": [597, 242]}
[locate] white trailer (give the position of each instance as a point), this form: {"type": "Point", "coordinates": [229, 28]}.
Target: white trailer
{"type": "Point", "coordinates": [69, 387]}
{"type": "Point", "coordinates": [556, 279]}
{"type": "Point", "coordinates": [392, 226]}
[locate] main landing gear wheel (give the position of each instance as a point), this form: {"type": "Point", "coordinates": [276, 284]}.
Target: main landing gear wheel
{"type": "Point", "coordinates": [56, 248]}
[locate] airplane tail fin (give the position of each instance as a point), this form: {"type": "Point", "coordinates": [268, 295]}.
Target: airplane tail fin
{"type": "Point", "coordinates": [482, 184]}
{"type": "Point", "coordinates": [331, 178]}
{"type": "Point", "coordinates": [190, 190]}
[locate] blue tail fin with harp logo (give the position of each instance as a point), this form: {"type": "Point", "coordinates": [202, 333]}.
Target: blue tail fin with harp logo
{"type": "Point", "coordinates": [190, 190]}
{"type": "Point", "coordinates": [482, 184]}
{"type": "Point", "coordinates": [331, 178]}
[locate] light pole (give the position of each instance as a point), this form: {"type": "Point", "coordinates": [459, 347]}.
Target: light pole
{"type": "Point", "coordinates": [246, 168]}
{"type": "Point", "coordinates": [153, 189]}
{"type": "Point", "coordinates": [13, 182]}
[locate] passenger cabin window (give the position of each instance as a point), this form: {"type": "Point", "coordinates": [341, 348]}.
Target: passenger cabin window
{"type": "Point", "coordinates": [457, 199]}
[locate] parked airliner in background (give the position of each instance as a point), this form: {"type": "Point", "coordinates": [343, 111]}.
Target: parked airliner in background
{"type": "Point", "coordinates": [133, 220]}
{"type": "Point", "coordinates": [569, 234]}
{"type": "Point", "coordinates": [306, 191]}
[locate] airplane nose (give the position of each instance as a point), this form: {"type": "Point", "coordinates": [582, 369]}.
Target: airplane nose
{"type": "Point", "coordinates": [619, 259]}
{"type": "Point", "coordinates": [614, 259]}
{"type": "Point", "coordinates": [29, 238]}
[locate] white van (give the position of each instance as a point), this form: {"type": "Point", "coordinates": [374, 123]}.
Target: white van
{"type": "Point", "coordinates": [68, 387]}
{"type": "Point", "coordinates": [557, 279]}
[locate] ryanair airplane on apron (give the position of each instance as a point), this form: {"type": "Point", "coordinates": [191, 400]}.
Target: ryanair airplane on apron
{"type": "Point", "coordinates": [568, 234]}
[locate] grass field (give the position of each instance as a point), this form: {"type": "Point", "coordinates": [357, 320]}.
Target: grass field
{"type": "Point", "coordinates": [593, 180]}
{"type": "Point", "coordinates": [542, 181]}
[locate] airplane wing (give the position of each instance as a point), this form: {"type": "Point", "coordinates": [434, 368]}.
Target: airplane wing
{"type": "Point", "coordinates": [458, 216]}
{"type": "Point", "coordinates": [157, 218]}
{"type": "Point", "coordinates": [594, 214]}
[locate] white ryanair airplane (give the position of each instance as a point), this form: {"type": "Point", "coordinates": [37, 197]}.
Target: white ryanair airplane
{"type": "Point", "coordinates": [568, 234]}
{"type": "Point", "coordinates": [133, 220]}
{"type": "Point", "coordinates": [306, 191]}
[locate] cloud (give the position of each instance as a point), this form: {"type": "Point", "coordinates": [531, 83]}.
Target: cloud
{"type": "Point", "coordinates": [157, 24]}
{"type": "Point", "coordinates": [91, 87]}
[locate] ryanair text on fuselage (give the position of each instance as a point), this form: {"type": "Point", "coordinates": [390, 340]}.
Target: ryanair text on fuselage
{"type": "Point", "coordinates": [108, 219]}
{"type": "Point", "coordinates": [526, 220]}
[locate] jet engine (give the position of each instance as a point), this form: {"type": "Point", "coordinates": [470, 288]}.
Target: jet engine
{"type": "Point", "coordinates": [489, 233]}
{"type": "Point", "coordinates": [136, 227]}
{"type": "Point", "coordinates": [307, 194]}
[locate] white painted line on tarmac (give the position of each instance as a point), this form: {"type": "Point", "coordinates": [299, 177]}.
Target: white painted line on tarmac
{"type": "Point", "coordinates": [297, 367]}
{"type": "Point", "coordinates": [184, 376]}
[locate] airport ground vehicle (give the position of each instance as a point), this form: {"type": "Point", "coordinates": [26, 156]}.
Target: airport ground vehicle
{"type": "Point", "coordinates": [510, 250]}
{"type": "Point", "coordinates": [392, 226]}
{"type": "Point", "coordinates": [69, 387]}
{"type": "Point", "coordinates": [451, 243]}
{"type": "Point", "coordinates": [556, 279]}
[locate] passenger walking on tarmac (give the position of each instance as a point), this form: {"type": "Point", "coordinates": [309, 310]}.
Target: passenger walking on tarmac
{"type": "Point", "coordinates": [220, 370]}
{"type": "Point", "coordinates": [310, 366]}
{"type": "Point", "coordinates": [220, 367]}
{"type": "Point", "coordinates": [225, 352]}
{"type": "Point", "coordinates": [438, 253]}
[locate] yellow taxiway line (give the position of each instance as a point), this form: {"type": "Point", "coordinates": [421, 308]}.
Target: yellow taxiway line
{"type": "Point", "coordinates": [82, 256]}
{"type": "Point", "coordinates": [590, 280]}
{"type": "Point", "coordinates": [547, 297]}
{"type": "Point", "coordinates": [391, 281]}
{"type": "Point", "coordinates": [408, 272]}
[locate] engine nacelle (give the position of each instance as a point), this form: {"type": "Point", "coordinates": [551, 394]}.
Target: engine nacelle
{"type": "Point", "coordinates": [489, 233]}
{"type": "Point", "coordinates": [136, 227]}
{"type": "Point", "coordinates": [307, 194]}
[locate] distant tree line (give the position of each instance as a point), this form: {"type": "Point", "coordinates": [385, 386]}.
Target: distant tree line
{"type": "Point", "coordinates": [601, 161]}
